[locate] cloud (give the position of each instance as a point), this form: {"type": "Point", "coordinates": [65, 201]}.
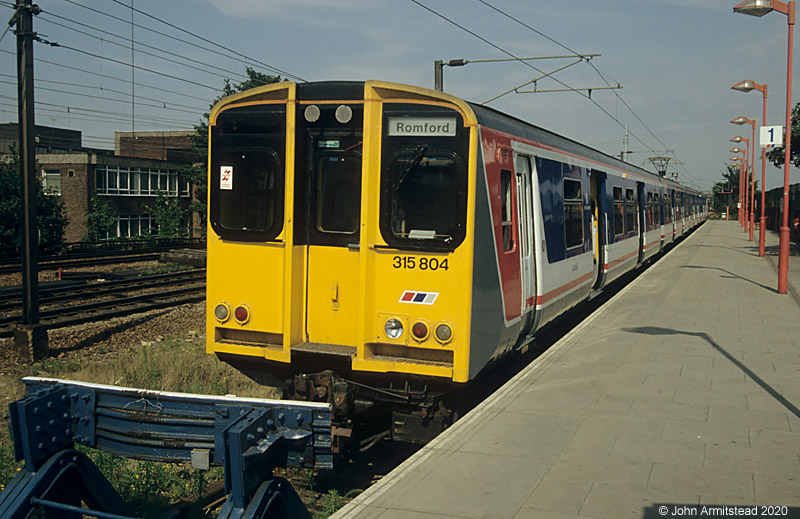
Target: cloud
{"type": "Point", "coordinates": [254, 9]}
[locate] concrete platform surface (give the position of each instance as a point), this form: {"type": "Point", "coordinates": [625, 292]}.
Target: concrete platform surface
{"type": "Point", "coordinates": [683, 392]}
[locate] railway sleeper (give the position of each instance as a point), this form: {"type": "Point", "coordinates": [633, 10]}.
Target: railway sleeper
{"type": "Point", "coordinates": [248, 436]}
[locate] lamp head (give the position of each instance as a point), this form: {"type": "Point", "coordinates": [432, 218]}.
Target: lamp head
{"type": "Point", "coordinates": [744, 86]}
{"type": "Point", "coordinates": [737, 139]}
{"type": "Point", "coordinates": [740, 120]}
{"type": "Point", "coordinates": [753, 7]}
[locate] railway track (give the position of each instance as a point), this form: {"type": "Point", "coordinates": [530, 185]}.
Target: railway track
{"type": "Point", "coordinates": [106, 300]}
{"type": "Point", "coordinates": [55, 262]}
{"type": "Point", "coordinates": [10, 261]}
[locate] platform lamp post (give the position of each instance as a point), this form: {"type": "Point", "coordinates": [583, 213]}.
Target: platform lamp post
{"type": "Point", "coordinates": [751, 217]}
{"type": "Point", "coordinates": [740, 162]}
{"type": "Point", "coordinates": [760, 8]}
{"type": "Point", "coordinates": [746, 86]}
{"type": "Point", "coordinates": [743, 180]}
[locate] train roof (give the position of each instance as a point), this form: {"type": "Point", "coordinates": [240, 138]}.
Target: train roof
{"type": "Point", "coordinates": [501, 121]}
{"type": "Point", "coordinates": [492, 118]}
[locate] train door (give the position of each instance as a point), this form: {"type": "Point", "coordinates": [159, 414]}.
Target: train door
{"type": "Point", "coordinates": [599, 226]}
{"type": "Point", "coordinates": [525, 219]}
{"type": "Point", "coordinates": [641, 205]}
{"type": "Point", "coordinates": [330, 189]}
{"type": "Point", "coordinates": [671, 210]}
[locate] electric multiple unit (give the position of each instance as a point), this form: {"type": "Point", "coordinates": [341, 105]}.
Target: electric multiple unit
{"type": "Point", "coordinates": [396, 239]}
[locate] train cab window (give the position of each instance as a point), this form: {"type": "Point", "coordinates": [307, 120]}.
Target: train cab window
{"type": "Point", "coordinates": [424, 154]}
{"type": "Point", "coordinates": [505, 210]}
{"type": "Point", "coordinates": [630, 211]}
{"type": "Point", "coordinates": [573, 213]}
{"type": "Point", "coordinates": [247, 173]}
{"type": "Point", "coordinates": [423, 207]}
{"type": "Point", "coordinates": [338, 194]}
{"type": "Point", "coordinates": [619, 212]}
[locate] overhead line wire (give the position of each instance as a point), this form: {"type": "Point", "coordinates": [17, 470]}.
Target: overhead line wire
{"type": "Point", "coordinates": [104, 98]}
{"type": "Point", "coordinates": [245, 60]}
{"type": "Point", "coordinates": [270, 67]}
{"type": "Point", "coordinates": [138, 67]}
{"type": "Point", "coordinates": [97, 74]}
{"type": "Point", "coordinates": [533, 67]}
{"type": "Point", "coordinates": [602, 76]}
{"type": "Point", "coordinates": [89, 110]}
{"type": "Point", "coordinates": [104, 89]}
{"type": "Point", "coordinates": [129, 40]}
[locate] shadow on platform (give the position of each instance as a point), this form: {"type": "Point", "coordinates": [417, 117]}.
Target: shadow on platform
{"type": "Point", "coordinates": [655, 330]}
{"type": "Point", "coordinates": [730, 275]}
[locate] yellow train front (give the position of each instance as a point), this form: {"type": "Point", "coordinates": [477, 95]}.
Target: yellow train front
{"type": "Point", "coordinates": [340, 239]}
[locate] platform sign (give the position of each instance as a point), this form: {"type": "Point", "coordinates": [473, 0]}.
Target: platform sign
{"type": "Point", "coordinates": [771, 136]}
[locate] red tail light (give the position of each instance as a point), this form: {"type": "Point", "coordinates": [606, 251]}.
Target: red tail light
{"type": "Point", "coordinates": [241, 314]}
{"type": "Point", "coordinates": [419, 330]}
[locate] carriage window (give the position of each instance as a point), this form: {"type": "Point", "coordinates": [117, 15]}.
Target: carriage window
{"type": "Point", "coordinates": [656, 210]}
{"type": "Point", "coordinates": [630, 210]}
{"type": "Point", "coordinates": [505, 210]}
{"type": "Point", "coordinates": [338, 190]}
{"type": "Point", "coordinates": [619, 212]}
{"type": "Point", "coordinates": [573, 213]}
{"type": "Point", "coordinates": [247, 177]}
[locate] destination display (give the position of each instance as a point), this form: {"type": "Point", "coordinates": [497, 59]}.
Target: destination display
{"type": "Point", "coordinates": [422, 127]}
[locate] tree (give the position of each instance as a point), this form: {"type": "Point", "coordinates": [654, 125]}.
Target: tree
{"type": "Point", "coordinates": [197, 174]}
{"type": "Point", "coordinates": [100, 219]}
{"type": "Point", "coordinates": [50, 218]}
{"type": "Point", "coordinates": [726, 192]}
{"type": "Point", "coordinates": [776, 155]}
{"type": "Point", "coordinates": [168, 217]}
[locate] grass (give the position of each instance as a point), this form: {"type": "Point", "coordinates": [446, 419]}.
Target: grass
{"type": "Point", "coordinates": [333, 501]}
{"type": "Point", "coordinates": [176, 364]}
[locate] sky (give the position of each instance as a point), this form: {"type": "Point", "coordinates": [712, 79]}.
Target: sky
{"type": "Point", "coordinates": [674, 59]}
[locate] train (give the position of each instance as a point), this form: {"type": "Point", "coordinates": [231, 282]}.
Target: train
{"type": "Point", "coordinates": [372, 243]}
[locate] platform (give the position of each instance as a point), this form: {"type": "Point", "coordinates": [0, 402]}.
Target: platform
{"type": "Point", "coordinates": [682, 391]}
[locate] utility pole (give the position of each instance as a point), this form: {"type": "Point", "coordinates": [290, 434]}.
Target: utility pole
{"type": "Point", "coordinates": [623, 156]}
{"type": "Point", "coordinates": [29, 337]}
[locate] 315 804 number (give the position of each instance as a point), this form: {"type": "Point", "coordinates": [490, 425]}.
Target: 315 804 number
{"type": "Point", "coordinates": [410, 263]}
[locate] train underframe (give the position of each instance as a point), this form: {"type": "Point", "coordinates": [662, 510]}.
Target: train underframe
{"type": "Point", "coordinates": [367, 407]}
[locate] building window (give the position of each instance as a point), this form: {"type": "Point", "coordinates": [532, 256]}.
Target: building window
{"type": "Point", "coordinates": [115, 180]}
{"type": "Point", "coordinates": [51, 181]}
{"type": "Point", "coordinates": [132, 225]}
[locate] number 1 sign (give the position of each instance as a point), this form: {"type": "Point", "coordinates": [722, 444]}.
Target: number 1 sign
{"type": "Point", "coordinates": [771, 136]}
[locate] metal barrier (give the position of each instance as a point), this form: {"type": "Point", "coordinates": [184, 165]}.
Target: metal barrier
{"type": "Point", "coordinates": [248, 436]}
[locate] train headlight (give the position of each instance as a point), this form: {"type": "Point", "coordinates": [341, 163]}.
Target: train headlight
{"type": "Point", "coordinates": [311, 113]}
{"type": "Point", "coordinates": [222, 312]}
{"type": "Point", "coordinates": [242, 314]}
{"type": "Point", "coordinates": [443, 333]}
{"type": "Point", "coordinates": [343, 114]}
{"type": "Point", "coordinates": [419, 330]}
{"type": "Point", "coordinates": [393, 328]}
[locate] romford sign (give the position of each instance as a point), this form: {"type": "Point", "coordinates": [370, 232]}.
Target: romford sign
{"type": "Point", "coordinates": [422, 126]}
